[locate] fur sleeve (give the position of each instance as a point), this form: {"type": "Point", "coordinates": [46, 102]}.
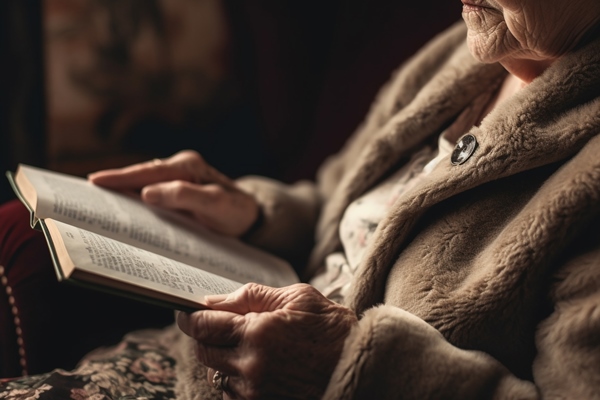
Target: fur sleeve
{"type": "Point", "coordinates": [568, 342]}
{"type": "Point", "coordinates": [289, 214]}
{"type": "Point", "coordinates": [392, 354]}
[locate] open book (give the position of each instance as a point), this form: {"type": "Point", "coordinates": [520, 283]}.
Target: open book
{"type": "Point", "coordinates": [114, 242]}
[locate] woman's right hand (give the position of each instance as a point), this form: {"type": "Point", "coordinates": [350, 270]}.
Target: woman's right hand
{"type": "Point", "coordinates": [273, 343]}
{"type": "Point", "coordinates": [185, 182]}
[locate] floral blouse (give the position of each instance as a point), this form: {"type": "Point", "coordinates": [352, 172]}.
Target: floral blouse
{"type": "Point", "coordinates": [362, 217]}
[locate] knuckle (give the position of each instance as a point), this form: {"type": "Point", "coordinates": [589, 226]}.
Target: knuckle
{"type": "Point", "coordinates": [254, 290]}
{"type": "Point", "coordinates": [190, 164]}
{"type": "Point", "coordinates": [179, 190]}
{"type": "Point", "coordinates": [246, 293]}
{"type": "Point", "coordinates": [304, 288]}
{"type": "Point", "coordinates": [190, 154]}
{"type": "Point", "coordinates": [193, 158]}
{"type": "Point", "coordinates": [252, 287]}
{"type": "Point", "coordinates": [215, 193]}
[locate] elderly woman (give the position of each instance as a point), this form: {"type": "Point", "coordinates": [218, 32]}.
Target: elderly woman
{"type": "Point", "coordinates": [457, 231]}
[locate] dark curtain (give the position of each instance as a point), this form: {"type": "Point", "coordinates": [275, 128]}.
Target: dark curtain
{"type": "Point", "coordinates": [22, 114]}
{"type": "Point", "coordinates": [308, 69]}
{"type": "Point", "coordinates": [312, 68]}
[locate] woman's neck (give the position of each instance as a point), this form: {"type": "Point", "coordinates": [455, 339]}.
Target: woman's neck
{"type": "Point", "coordinates": [510, 86]}
{"type": "Point", "coordinates": [527, 70]}
{"type": "Point", "coordinates": [482, 106]}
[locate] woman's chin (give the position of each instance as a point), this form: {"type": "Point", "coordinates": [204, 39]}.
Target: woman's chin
{"type": "Point", "coordinates": [481, 52]}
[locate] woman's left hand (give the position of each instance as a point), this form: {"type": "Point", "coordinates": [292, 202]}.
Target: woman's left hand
{"type": "Point", "coordinates": [270, 342]}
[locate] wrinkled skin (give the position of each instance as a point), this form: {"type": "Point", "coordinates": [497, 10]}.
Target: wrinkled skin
{"type": "Point", "coordinates": [185, 182]}
{"type": "Point", "coordinates": [526, 36]}
{"type": "Point", "coordinates": [273, 343]}
{"type": "Point", "coordinates": [285, 343]}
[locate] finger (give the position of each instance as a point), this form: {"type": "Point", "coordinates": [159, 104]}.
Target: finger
{"type": "Point", "coordinates": [139, 175]}
{"type": "Point", "coordinates": [216, 328]}
{"type": "Point", "coordinates": [199, 169]}
{"type": "Point", "coordinates": [204, 202]}
{"type": "Point", "coordinates": [253, 297]}
{"type": "Point", "coordinates": [229, 212]}
{"type": "Point", "coordinates": [224, 359]}
{"type": "Point", "coordinates": [249, 298]}
{"type": "Point", "coordinates": [185, 196]}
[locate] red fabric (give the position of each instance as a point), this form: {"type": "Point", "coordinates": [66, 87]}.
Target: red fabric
{"type": "Point", "coordinates": [59, 322]}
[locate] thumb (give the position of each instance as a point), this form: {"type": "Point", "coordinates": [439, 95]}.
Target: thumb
{"type": "Point", "coordinates": [249, 298]}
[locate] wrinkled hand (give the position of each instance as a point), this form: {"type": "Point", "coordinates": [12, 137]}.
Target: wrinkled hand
{"type": "Point", "coordinates": [278, 343]}
{"type": "Point", "coordinates": [185, 182]}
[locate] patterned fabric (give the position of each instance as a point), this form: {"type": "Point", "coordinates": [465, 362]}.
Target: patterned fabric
{"type": "Point", "coordinates": [141, 367]}
{"type": "Point", "coordinates": [138, 368]}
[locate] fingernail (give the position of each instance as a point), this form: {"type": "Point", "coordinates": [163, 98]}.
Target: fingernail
{"type": "Point", "coordinates": [183, 320]}
{"type": "Point", "coordinates": [151, 195]}
{"type": "Point", "coordinates": [91, 176]}
{"type": "Point", "coordinates": [215, 298]}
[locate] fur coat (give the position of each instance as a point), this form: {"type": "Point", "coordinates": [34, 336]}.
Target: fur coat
{"type": "Point", "coordinates": [483, 282]}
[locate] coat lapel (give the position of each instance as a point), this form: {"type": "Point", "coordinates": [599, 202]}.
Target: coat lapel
{"type": "Point", "coordinates": [549, 120]}
{"type": "Point", "coordinates": [442, 98]}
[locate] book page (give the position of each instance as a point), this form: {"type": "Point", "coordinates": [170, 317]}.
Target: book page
{"type": "Point", "coordinates": [94, 258]}
{"type": "Point", "coordinates": [77, 202]}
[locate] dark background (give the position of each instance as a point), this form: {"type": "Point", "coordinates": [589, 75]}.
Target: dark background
{"type": "Point", "coordinates": [306, 73]}
{"type": "Point", "coordinates": [302, 74]}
